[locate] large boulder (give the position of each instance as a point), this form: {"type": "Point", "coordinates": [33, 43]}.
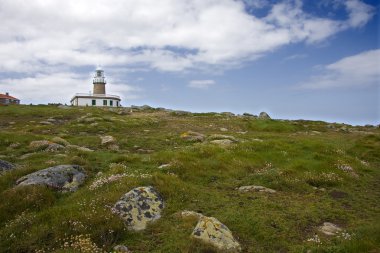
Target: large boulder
{"type": "Point", "coordinates": [110, 142]}
{"type": "Point", "coordinates": [211, 231]}
{"type": "Point", "coordinates": [264, 115]}
{"type": "Point", "coordinates": [6, 166]}
{"type": "Point", "coordinates": [139, 206]}
{"type": "Point", "coordinates": [61, 177]}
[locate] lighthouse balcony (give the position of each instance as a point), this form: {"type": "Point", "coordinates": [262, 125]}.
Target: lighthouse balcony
{"type": "Point", "coordinates": [96, 95]}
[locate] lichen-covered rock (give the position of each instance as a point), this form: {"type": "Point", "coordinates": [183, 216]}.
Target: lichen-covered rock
{"type": "Point", "coordinates": [264, 115]}
{"type": "Point", "coordinates": [192, 214]}
{"type": "Point", "coordinates": [139, 206]}
{"type": "Point", "coordinates": [329, 228]}
{"type": "Point", "coordinates": [46, 145]}
{"type": "Point", "coordinates": [61, 177]}
{"type": "Point", "coordinates": [255, 188]}
{"type": "Point", "coordinates": [211, 231]}
{"type": "Point", "coordinates": [6, 166]}
{"type": "Point", "coordinates": [193, 136]}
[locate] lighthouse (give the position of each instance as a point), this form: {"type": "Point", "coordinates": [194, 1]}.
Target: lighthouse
{"type": "Point", "coordinates": [99, 81]}
{"type": "Point", "coordinates": [99, 97]}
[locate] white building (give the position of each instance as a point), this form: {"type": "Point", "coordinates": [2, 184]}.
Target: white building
{"type": "Point", "coordinates": [99, 96]}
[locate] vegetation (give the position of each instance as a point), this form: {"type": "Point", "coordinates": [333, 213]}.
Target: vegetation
{"type": "Point", "coordinates": [322, 173]}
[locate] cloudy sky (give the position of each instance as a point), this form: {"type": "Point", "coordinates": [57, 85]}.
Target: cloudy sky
{"type": "Point", "coordinates": [293, 59]}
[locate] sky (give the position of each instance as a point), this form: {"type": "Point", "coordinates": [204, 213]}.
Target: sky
{"type": "Point", "coordinates": [314, 60]}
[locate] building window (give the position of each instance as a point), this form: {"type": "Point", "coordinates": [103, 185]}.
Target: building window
{"type": "Point", "coordinates": [93, 102]}
{"type": "Point", "coordinates": [104, 102]}
{"type": "Point", "coordinates": [111, 102]}
{"type": "Point", "coordinates": [117, 103]}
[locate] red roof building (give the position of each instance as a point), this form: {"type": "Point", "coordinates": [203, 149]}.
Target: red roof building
{"type": "Point", "coordinates": [5, 99]}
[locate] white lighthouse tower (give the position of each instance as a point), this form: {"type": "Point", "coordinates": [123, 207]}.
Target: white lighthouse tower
{"type": "Point", "coordinates": [99, 97]}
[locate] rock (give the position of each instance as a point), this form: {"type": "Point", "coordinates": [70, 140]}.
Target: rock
{"type": "Point", "coordinates": [110, 142]}
{"type": "Point", "coordinates": [192, 214]}
{"type": "Point", "coordinates": [193, 136]}
{"type": "Point", "coordinates": [222, 137]}
{"type": "Point", "coordinates": [223, 129]}
{"type": "Point", "coordinates": [121, 249]}
{"type": "Point", "coordinates": [46, 123]}
{"type": "Point", "coordinates": [61, 177]}
{"type": "Point", "coordinates": [54, 147]}
{"type": "Point", "coordinates": [164, 166]}
{"type": "Point", "coordinates": [145, 151]}
{"type": "Point", "coordinates": [255, 188]}
{"type": "Point", "coordinates": [249, 115]}
{"type": "Point", "coordinates": [329, 228]}
{"type": "Point", "coordinates": [108, 139]}
{"type": "Point", "coordinates": [211, 231]}
{"type": "Point", "coordinates": [80, 148]}
{"type": "Point", "coordinates": [45, 145]}
{"type": "Point", "coordinates": [264, 115]}
{"type": "Point", "coordinates": [60, 140]}
{"type": "Point", "coordinates": [6, 166]}
{"type": "Point", "coordinates": [224, 142]}
{"type": "Point", "coordinates": [139, 206]}
{"type": "Point", "coordinates": [27, 155]}
{"type": "Point", "coordinates": [39, 144]}
{"type": "Point", "coordinates": [15, 145]}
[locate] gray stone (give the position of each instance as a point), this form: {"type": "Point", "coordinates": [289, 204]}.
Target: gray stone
{"type": "Point", "coordinates": [61, 177]}
{"type": "Point", "coordinates": [264, 115]}
{"type": "Point", "coordinates": [45, 145]}
{"type": "Point", "coordinates": [222, 137]}
{"type": "Point", "coordinates": [255, 188]}
{"type": "Point", "coordinates": [139, 206]}
{"type": "Point", "coordinates": [80, 148]}
{"type": "Point", "coordinates": [108, 139]}
{"type": "Point", "coordinates": [329, 228]}
{"type": "Point", "coordinates": [121, 249]}
{"type": "Point", "coordinates": [224, 142]}
{"type": "Point", "coordinates": [213, 232]}
{"type": "Point", "coordinates": [193, 136]}
{"type": "Point", "coordinates": [6, 166]}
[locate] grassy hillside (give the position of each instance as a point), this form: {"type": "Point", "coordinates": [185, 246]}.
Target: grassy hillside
{"type": "Point", "coordinates": [321, 173]}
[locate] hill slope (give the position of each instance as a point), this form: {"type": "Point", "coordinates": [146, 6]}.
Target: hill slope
{"type": "Point", "coordinates": [321, 173]}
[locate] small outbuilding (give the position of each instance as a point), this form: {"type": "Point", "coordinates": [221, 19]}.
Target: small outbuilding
{"type": "Point", "coordinates": [6, 99]}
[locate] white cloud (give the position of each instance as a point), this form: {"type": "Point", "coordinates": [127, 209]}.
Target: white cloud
{"type": "Point", "coordinates": [170, 36]}
{"type": "Point", "coordinates": [354, 71]}
{"type": "Point", "coordinates": [201, 84]}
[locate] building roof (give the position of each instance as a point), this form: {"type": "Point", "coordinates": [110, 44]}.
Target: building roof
{"type": "Point", "coordinates": [7, 96]}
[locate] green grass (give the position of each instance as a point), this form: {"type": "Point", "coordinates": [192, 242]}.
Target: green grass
{"type": "Point", "coordinates": [283, 155]}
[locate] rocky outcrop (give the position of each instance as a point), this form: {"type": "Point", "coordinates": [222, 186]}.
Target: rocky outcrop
{"type": "Point", "coordinates": [193, 136]}
{"type": "Point", "coordinates": [255, 188]}
{"type": "Point", "coordinates": [213, 232]}
{"type": "Point", "coordinates": [61, 177]}
{"type": "Point", "coordinates": [6, 166]}
{"type": "Point", "coordinates": [60, 141]}
{"type": "Point", "coordinates": [264, 115]}
{"type": "Point", "coordinates": [139, 206]}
